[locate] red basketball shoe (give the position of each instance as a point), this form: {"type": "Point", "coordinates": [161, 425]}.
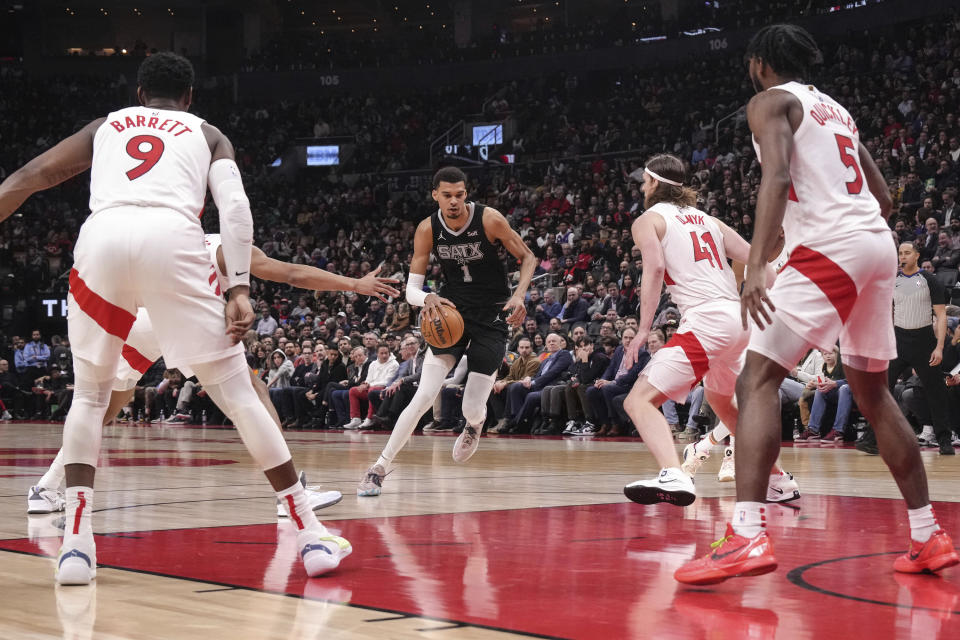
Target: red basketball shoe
{"type": "Point", "coordinates": [731, 556]}
{"type": "Point", "coordinates": [934, 554]}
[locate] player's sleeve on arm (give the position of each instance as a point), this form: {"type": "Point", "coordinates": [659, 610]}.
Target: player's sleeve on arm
{"type": "Point", "coordinates": [415, 293]}
{"type": "Point", "coordinates": [236, 221]}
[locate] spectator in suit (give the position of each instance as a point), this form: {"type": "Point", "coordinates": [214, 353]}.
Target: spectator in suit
{"type": "Point", "coordinates": [618, 378]}
{"type": "Point", "coordinates": [523, 398]}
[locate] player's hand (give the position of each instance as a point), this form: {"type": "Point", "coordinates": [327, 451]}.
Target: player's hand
{"type": "Point", "coordinates": [936, 357]}
{"type": "Point", "coordinates": [754, 302]}
{"type": "Point", "coordinates": [239, 315]}
{"type": "Point", "coordinates": [517, 309]}
{"type": "Point", "coordinates": [432, 305]}
{"type": "Point", "coordinates": [379, 288]}
{"type": "Point", "coordinates": [633, 351]}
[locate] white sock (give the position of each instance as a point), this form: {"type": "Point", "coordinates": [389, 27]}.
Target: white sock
{"type": "Point", "coordinates": [78, 524]}
{"type": "Point", "coordinates": [732, 440]}
{"type": "Point", "coordinates": [294, 499]}
{"type": "Point", "coordinates": [923, 523]}
{"type": "Point", "coordinates": [749, 519]}
{"type": "Point", "coordinates": [720, 432]}
{"type": "Point", "coordinates": [53, 478]}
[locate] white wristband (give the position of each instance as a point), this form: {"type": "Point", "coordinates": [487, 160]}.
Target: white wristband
{"type": "Point", "coordinates": [415, 293]}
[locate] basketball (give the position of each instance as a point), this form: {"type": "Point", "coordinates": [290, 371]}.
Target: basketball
{"type": "Point", "coordinates": [445, 331]}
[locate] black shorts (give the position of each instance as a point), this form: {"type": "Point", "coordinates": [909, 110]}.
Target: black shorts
{"type": "Point", "coordinates": [484, 341]}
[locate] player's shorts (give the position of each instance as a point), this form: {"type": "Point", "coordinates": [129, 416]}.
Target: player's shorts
{"type": "Point", "coordinates": [709, 344]}
{"type": "Point", "coordinates": [484, 341]}
{"type": "Point", "coordinates": [132, 257]}
{"type": "Point", "coordinates": [848, 295]}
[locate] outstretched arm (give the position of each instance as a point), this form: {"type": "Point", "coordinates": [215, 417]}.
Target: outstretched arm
{"type": "Point", "coordinates": [69, 157]}
{"type": "Point", "coordinates": [497, 228]}
{"type": "Point", "coordinates": [306, 277]}
{"type": "Point", "coordinates": [738, 250]}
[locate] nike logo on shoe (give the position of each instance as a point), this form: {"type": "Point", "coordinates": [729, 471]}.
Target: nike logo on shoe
{"type": "Point", "coordinates": [718, 556]}
{"type": "Point", "coordinates": [780, 491]}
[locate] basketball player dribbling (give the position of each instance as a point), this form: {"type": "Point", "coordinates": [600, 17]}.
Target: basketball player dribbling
{"type": "Point", "coordinates": [141, 349]}
{"type": "Point", "coordinates": [821, 184]}
{"type": "Point", "coordinates": [151, 166]}
{"type": "Point", "coordinates": [463, 237]}
{"type": "Point", "coordinates": [687, 249]}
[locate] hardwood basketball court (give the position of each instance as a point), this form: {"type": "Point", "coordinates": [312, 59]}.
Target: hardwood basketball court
{"type": "Point", "coordinates": [531, 538]}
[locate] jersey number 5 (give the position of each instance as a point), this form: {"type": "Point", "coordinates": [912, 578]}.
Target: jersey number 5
{"type": "Point", "coordinates": [849, 159]}
{"type": "Point", "coordinates": [149, 157]}
{"type": "Point", "coordinates": [701, 253]}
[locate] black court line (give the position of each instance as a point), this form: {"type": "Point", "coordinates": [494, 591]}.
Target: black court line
{"type": "Point", "coordinates": [796, 577]}
{"type": "Point", "coordinates": [217, 589]}
{"type": "Point", "coordinates": [388, 619]}
{"type": "Point", "coordinates": [399, 614]}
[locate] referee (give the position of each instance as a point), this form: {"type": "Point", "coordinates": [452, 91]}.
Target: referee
{"type": "Point", "coordinates": [920, 324]}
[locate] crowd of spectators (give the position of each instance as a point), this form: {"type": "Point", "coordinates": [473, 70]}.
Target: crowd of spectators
{"type": "Point", "coordinates": [431, 41]}
{"type": "Point", "coordinates": [573, 209]}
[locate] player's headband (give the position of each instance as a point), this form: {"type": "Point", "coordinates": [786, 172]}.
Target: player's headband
{"type": "Point", "coordinates": [662, 179]}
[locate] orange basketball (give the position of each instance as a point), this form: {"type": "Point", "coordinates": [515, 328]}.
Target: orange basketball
{"type": "Point", "coordinates": [445, 331]}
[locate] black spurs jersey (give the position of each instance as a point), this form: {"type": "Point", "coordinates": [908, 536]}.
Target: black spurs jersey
{"type": "Point", "coordinates": [473, 273]}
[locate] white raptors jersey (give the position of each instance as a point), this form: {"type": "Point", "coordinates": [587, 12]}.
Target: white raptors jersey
{"type": "Point", "coordinates": [213, 243]}
{"type": "Point", "coordinates": [696, 262]}
{"type": "Point", "coordinates": [150, 158]}
{"type": "Point", "coordinates": [829, 196]}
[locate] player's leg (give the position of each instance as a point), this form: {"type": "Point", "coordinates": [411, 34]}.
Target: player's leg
{"type": "Point", "coordinates": [781, 487]}
{"type": "Point", "coordinates": [435, 369]}
{"type": "Point", "coordinates": [642, 405]}
{"type": "Point", "coordinates": [475, 394]}
{"type": "Point", "coordinates": [77, 562]}
{"type": "Point", "coordinates": [931, 547]}
{"type": "Point", "coordinates": [227, 382]}
{"type": "Point", "coordinates": [485, 352]}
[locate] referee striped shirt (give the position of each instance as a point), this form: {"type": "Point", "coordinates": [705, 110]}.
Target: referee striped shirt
{"type": "Point", "coordinates": [913, 299]}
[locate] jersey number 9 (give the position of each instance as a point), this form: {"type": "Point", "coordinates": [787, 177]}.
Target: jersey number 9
{"type": "Point", "coordinates": [149, 157]}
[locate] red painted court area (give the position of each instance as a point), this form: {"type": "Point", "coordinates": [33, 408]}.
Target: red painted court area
{"type": "Point", "coordinates": [595, 571]}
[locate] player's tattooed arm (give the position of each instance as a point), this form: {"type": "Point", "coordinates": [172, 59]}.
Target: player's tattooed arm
{"type": "Point", "coordinates": [66, 159]}
{"type": "Point", "coordinates": [497, 228]}
{"type": "Point", "coordinates": [648, 232]}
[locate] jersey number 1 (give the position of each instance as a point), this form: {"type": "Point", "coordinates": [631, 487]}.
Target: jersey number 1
{"type": "Point", "coordinates": [149, 157]}
{"type": "Point", "coordinates": [466, 273]}
{"type": "Point", "coordinates": [701, 253]}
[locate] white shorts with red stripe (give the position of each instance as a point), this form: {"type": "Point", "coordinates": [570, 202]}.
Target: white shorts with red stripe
{"type": "Point", "coordinates": [837, 290]}
{"type": "Point", "coordinates": [139, 352]}
{"type": "Point", "coordinates": [709, 345]}
{"type": "Point", "coordinates": [132, 257]}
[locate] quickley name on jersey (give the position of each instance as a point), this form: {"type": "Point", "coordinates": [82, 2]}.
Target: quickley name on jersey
{"type": "Point", "coordinates": [473, 273]}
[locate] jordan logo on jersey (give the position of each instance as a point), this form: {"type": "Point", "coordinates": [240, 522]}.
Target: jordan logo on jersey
{"type": "Point", "coordinates": [468, 252]}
